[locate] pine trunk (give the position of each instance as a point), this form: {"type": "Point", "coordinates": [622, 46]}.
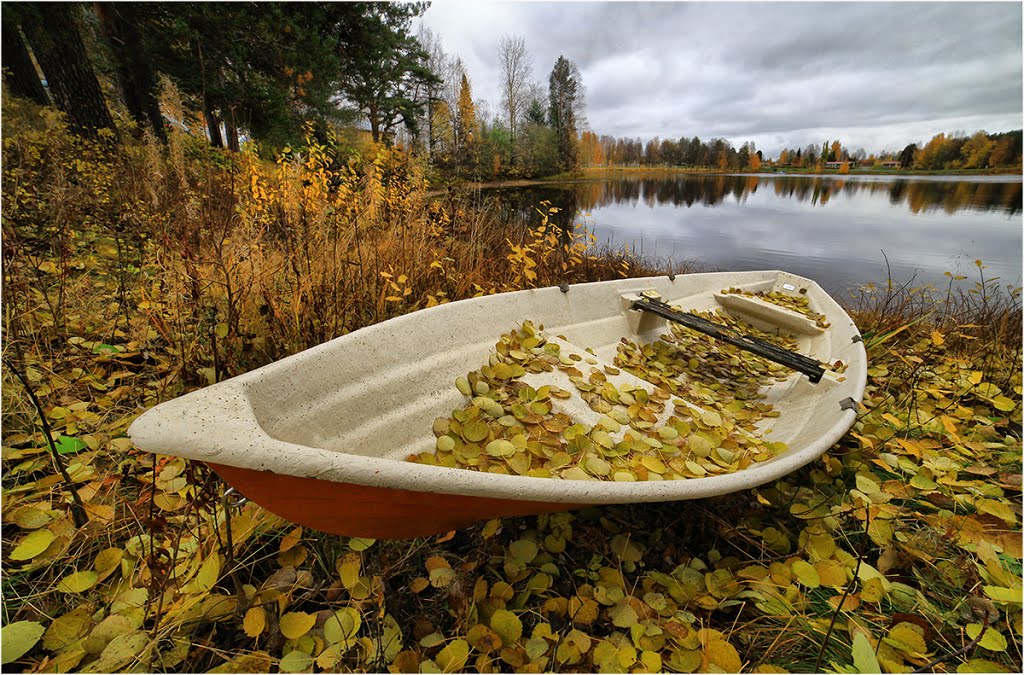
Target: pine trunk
{"type": "Point", "coordinates": [232, 131]}
{"type": "Point", "coordinates": [212, 126]}
{"type": "Point", "coordinates": [58, 48]}
{"type": "Point", "coordinates": [135, 76]}
{"type": "Point", "coordinates": [19, 71]}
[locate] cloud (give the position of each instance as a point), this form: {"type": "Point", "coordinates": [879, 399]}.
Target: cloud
{"type": "Point", "coordinates": [877, 75]}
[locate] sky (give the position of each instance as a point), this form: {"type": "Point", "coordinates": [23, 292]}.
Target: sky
{"type": "Point", "coordinates": [875, 75]}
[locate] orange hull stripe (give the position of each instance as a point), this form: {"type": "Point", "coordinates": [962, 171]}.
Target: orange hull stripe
{"type": "Point", "coordinates": [365, 511]}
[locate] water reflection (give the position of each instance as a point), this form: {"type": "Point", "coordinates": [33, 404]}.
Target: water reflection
{"type": "Point", "coordinates": [830, 228]}
{"type": "Point", "coordinates": [919, 195]}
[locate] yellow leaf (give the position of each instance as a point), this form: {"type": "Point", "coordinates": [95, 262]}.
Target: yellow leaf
{"type": "Point", "coordinates": [507, 625]}
{"type": "Point", "coordinates": [66, 629]}
{"type": "Point", "coordinates": [864, 659]}
{"type": "Point", "coordinates": [289, 540]}
{"type": "Point", "coordinates": [483, 639]}
{"type": "Point", "coordinates": [19, 638]}
{"type": "Point", "coordinates": [723, 655]}
{"type": "Point", "coordinates": [1003, 403]}
{"type": "Point", "coordinates": [79, 582]}
{"type": "Point", "coordinates": [208, 573]}
{"type": "Point", "coordinates": [975, 377]}
{"type": "Point", "coordinates": [937, 339]}
{"type": "Point", "coordinates": [623, 615]}
{"type": "Point", "coordinates": [992, 640]}
{"type": "Point", "coordinates": [452, 658]}
{"type": "Point", "coordinates": [349, 568]}
{"type": "Point", "coordinates": [342, 627]}
{"type": "Point", "coordinates": [999, 509]}
{"type": "Point", "coordinates": [296, 624]}
{"type": "Point", "coordinates": [806, 574]}
{"type": "Point", "coordinates": [908, 638]}
{"type": "Point", "coordinates": [255, 621]}
{"type": "Point", "coordinates": [32, 545]}
{"type": "Point", "coordinates": [31, 517]}
{"type": "Point", "coordinates": [295, 661]}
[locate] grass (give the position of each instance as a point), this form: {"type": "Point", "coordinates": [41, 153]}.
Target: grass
{"type": "Point", "coordinates": [135, 274]}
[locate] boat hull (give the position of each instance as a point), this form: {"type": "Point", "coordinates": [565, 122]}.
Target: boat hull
{"type": "Point", "coordinates": [322, 438]}
{"type": "Point", "coordinates": [356, 510]}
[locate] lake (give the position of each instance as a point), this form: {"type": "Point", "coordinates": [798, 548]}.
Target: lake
{"type": "Point", "coordinates": [833, 229]}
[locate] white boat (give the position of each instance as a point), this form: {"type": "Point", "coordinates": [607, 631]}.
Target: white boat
{"type": "Point", "coordinates": [322, 438]}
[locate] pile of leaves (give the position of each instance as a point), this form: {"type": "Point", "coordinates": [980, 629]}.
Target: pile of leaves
{"type": "Point", "coordinates": [508, 426]}
{"type": "Point", "coordinates": [131, 278]}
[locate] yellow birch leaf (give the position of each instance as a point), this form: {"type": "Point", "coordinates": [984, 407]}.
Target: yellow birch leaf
{"type": "Point", "coordinates": [907, 638]}
{"type": "Point", "coordinates": [975, 377]}
{"type": "Point", "coordinates": [864, 659]}
{"type": "Point", "coordinates": [295, 661]}
{"type": "Point", "coordinates": [507, 625]}
{"type": "Point", "coordinates": [992, 640]}
{"type": "Point", "coordinates": [66, 629]}
{"type": "Point", "coordinates": [289, 540]}
{"type": "Point", "coordinates": [79, 582]}
{"type": "Point", "coordinates": [806, 574]}
{"type": "Point", "coordinates": [255, 621]}
{"type": "Point", "coordinates": [723, 655]}
{"type": "Point", "coordinates": [937, 339]}
{"type": "Point", "coordinates": [341, 628]}
{"type": "Point", "coordinates": [1003, 403]}
{"type": "Point", "coordinates": [349, 568]}
{"type": "Point", "coordinates": [19, 638]}
{"type": "Point", "coordinates": [32, 545]}
{"type": "Point", "coordinates": [209, 573]}
{"type": "Point", "coordinates": [31, 517]}
{"type": "Point", "coordinates": [452, 659]}
{"type": "Point", "coordinates": [296, 624]}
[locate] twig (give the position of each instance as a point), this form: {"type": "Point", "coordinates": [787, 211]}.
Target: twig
{"type": "Point", "coordinates": [78, 514]}
{"type": "Point", "coordinates": [963, 650]}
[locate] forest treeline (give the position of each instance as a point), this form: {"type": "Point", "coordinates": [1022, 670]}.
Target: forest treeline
{"type": "Point", "coordinates": [263, 72]}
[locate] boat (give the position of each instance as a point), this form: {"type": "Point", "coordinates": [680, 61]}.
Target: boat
{"type": "Point", "coordinates": [323, 438]}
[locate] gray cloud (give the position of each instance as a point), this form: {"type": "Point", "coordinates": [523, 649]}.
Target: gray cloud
{"type": "Point", "coordinates": [874, 75]}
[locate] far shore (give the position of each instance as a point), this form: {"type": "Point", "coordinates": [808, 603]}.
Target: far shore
{"type": "Point", "coordinates": [594, 174]}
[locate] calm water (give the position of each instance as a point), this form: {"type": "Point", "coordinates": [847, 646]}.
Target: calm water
{"type": "Point", "coordinates": [833, 230]}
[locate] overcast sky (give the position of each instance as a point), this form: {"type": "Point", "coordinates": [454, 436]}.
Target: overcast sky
{"type": "Point", "coordinates": [872, 74]}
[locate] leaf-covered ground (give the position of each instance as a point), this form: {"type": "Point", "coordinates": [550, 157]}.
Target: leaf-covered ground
{"type": "Point", "coordinates": [132, 275]}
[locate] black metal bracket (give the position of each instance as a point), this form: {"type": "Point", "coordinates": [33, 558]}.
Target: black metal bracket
{"type": "Point", "coordinates": [803, 364]}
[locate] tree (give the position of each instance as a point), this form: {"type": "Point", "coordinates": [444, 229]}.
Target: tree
{"type": "Point", "coordinates": [466, 125]}
{"type": "Point", "coordinates": [53, 35]}
{"type": "Point", "coordinates": [135, 74]}
{"type": "Point", "coordinates": [563, 93]}
{"type": "Point", "coordinates": [19, 71]}
{"type": "Point", "coordinates": [908, 155]}
{"type": "Point", "coordinates": [384, 67]}
{"type": "Point", "coordinates": [977, 150]}
{"type": "Point", "coordinates": [516, 65]}
{"type": "Point", "coordinates": [535, 113]}
{"type": "Point", "coordinates": [591, 153]}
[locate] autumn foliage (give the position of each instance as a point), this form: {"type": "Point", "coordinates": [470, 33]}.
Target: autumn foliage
{"type": "Point", "coordinates": [135, 274]}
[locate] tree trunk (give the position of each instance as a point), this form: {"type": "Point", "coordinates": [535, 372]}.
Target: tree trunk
{"type": "Point", "coordinates": [232, 131]}
{"type": "Point", "coordinates": [212, 126]}
{"type": "Point", "coordinates": [19, 71]}
{"type": "Point", "coordinates": [58, 47]}
{"type": "Point", "coordinates": [134, 74]}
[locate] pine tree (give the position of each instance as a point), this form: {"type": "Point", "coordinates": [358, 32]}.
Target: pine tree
{"type": "Point", "coordinates": [563, 90]}
{"type": "Point", "coordinates": [467, 126]}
